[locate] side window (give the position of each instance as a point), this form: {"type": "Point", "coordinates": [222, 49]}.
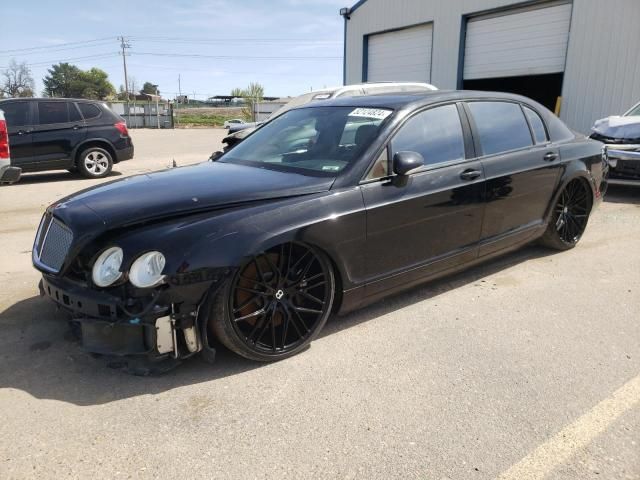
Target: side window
{"type": "Point", "coordinates": [501, 126]}
{"type": "Point", "coordinates": [380, 169]}
{"type": "Point", "coordinates": [74, 114]}
{"type": "Point", "coordinates": [89, 110]}
{"type": "Point", "coordinates": [435, 133]}
{"type": "Point", "coordinates": [539, 132]}
{"type": "Point", "coordinates": [16, 113]}
{"type": "Point", "coordinates": [52, 112]}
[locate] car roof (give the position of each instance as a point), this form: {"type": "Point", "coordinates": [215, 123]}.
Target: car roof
{"type": "Point", "coordinates": [51, 99]}
{"type": "Point", "coordinates": [398, 101]}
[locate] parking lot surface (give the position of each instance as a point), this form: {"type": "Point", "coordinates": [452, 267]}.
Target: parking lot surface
{"type": "Point", "coordinates": [525, 367]}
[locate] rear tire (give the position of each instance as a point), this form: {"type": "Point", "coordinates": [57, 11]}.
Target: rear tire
{"type": "Point", "coordinates": [94, 162]}
{"type": "Point", "coordinates": [275, 304]}
{"type": "Point", "coordinates": [569, 218]}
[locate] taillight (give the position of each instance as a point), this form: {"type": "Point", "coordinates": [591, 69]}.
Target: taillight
{"type": "Point", "coordinates": [4, 140]}
{"type": "Point", "coordinates": [122, 128]}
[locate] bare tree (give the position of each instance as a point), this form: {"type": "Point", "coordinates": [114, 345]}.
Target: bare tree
{"type": "Point", "coordinates": [17, 80]}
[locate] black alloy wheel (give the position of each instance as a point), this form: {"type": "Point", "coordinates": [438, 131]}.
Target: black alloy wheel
{"type": "Point", "coordinates": [277, 302]}
{"type": "Point", "coordinates": [570, 216]}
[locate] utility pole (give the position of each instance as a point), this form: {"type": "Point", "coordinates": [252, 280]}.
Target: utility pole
{"type": "Point", "coordinates": [179, 100]}
{"type": "Point", "coordinates": [123, 45]}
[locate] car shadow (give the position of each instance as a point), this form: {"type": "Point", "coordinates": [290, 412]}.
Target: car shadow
{"type": "Point", "coordinates": [623, 194]}
{"type": "Point", "coordinates": [57, 176]}
{"type": "Point", "coordinates": [41, 357]}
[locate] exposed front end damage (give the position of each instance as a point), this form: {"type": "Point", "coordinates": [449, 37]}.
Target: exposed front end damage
{"type": "Point", "coordinates": [621, 138]}
{"type": "Point", "coordinates": [162, 324]}
{"type": "Point", "coordinates": [165, 323]}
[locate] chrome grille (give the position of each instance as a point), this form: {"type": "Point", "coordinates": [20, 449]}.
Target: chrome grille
{"type": "Point", "coordinates": [52, 243]}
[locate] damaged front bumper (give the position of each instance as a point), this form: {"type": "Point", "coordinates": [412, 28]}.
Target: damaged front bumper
{"type": "Point", "coordinates": [624, 163]}
{"type": "Point", "coordinates": [167, 322]}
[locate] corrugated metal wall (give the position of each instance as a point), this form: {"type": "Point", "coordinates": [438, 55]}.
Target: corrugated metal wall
{"type": "Point", "coordinates": [602, 74]}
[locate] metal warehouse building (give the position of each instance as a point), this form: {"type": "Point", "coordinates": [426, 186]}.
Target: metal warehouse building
{"type": "Point", "coordinates": [587, 51]}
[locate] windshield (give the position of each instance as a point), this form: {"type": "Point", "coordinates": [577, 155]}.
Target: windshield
{"type": "Point", "coordinates": [321, 140]}
{"type": "Point", "coordinates": [635, 111]}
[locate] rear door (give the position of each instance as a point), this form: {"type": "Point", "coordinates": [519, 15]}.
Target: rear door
{"type": "Point", "coordinates": [521, 166]}
{"type": "Point", "coordinates": [18, 117]}
{"type": "Point", "coordinates": [430, 220]}
{"type": "Point", "coordinates": [58, 130]}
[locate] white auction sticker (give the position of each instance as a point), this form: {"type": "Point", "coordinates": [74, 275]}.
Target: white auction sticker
{"type": "Point", "coordinates": [379, 113]}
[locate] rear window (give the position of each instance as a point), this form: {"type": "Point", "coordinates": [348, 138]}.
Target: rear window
{"type": "Point", "coordinates": [501, 126]}
{"type": "Point", "coordinates": [74, 114]}
{"type": "Point", "coordinates": [539, 132]}
{"type": "Point", "coordinates": [53, 112]}
{"type": "Point", "coordinates": [16, 113]}
{"type": "Point", "coordinates": [89, 110]}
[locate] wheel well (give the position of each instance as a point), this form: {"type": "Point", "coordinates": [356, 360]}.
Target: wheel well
{"type": "Point", "coordinates": [336, 274]}
{"type": "Point", "coordinates": [96, 143]}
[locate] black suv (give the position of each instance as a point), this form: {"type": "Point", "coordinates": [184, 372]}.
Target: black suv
{"type": "Point", "coordinates": [64, 133]}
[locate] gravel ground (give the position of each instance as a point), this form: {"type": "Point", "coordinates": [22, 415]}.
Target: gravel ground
{"type": "Point", "coordinates": [527, 366]}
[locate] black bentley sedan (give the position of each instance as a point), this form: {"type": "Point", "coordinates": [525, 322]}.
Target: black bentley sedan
{"type": "Point", "coordinates": [326, 208]}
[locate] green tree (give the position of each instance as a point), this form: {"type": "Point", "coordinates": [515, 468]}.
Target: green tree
{"type": "Point", "coordinates": [237, 92]}
{"type": "Point", "coordinates": [96, 84]}
{"type": "Point", "coordinates": [17, 80]}
{"type": "Point", "coordinates": [252, 94]}
{"type": "Point", "coordinates": [63, 80]}
{"type": "Point", "coordinates": [150, 88]}
{"type": "Point", "coordinates": [66, 80]}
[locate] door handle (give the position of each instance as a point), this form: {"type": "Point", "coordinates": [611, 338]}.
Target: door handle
{"type": "Point", "coordinates": [76, 127]}
{"type": "Point", "coordinates": [470, 174]}
{"type": "Point", "coordinates": [21, 132]}
{"type": "Point", "coordinates": [550, 157]}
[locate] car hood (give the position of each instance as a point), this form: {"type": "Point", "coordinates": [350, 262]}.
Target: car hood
{"type": "Point", "coordinates": [618, 127]}
{"type": "Point", "coordinates": [183, 190]}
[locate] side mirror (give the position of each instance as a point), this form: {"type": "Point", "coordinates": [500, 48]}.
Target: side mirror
{"type": "Point", "coordinates": [406, 162]}
{"type": "Point", "coordinates": [215, 155]}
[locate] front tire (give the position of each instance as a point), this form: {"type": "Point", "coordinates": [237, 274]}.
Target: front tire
{"type": "Point", "coordinates": [94, 162]}
{"type": "Point", "coordinates": [569, 218]}
{"type": "Point", "coordinates": [275, 304]}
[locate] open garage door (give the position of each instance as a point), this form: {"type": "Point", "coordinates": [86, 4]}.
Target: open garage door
{"type": "Point", "coordinates": [519, 51]}
{"type": "Point", "coordinates": [401, 55]}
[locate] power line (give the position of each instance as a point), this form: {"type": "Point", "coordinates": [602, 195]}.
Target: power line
{"type": "Point", "coordinates": [74, 59]}
{"type": "Point", "coordinates": [45, 47]}
{"type": "Point", "coordinates": [252, 41]}
{"type": "Point", "coordinates": [37, 52]}
{"type": "Point", "coordinates": [234, 57]}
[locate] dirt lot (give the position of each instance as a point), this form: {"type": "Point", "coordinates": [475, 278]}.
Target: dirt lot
{"type": "Point", "coordinates": [527, 367]}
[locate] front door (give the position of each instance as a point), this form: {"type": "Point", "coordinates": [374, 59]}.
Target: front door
{"type": "Point", "coordinates": [18, 117]}
{"type": "Point", "coordinates": [430, 220]}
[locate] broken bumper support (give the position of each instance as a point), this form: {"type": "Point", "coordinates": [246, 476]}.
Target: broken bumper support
{"type": "Point", "coordinates": [162, 330]}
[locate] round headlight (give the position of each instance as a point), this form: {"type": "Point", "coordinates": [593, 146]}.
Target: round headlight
{"type": "Point", "coordinates": [146, 271]}
{"type": "Point", "coordinates": [106, 270]}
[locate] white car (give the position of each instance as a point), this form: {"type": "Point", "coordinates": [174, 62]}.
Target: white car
{"type": "Point", "coordinates": [233, 121]}
{"type": "Point", "coordinates": [8, 174]}
{"type": "Point", "coordinates": [621, 137]}
{"type": "Point", "coordinates": [237, 133]}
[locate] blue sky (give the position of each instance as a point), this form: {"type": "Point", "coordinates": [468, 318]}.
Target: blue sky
{"type": "Point", "coordinates": [302, 37]}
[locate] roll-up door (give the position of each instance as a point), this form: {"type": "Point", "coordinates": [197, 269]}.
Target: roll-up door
{"type": "Point", "coordinates": [401, 55]}
{"type": "Point", "coordinates": [517, 43]}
